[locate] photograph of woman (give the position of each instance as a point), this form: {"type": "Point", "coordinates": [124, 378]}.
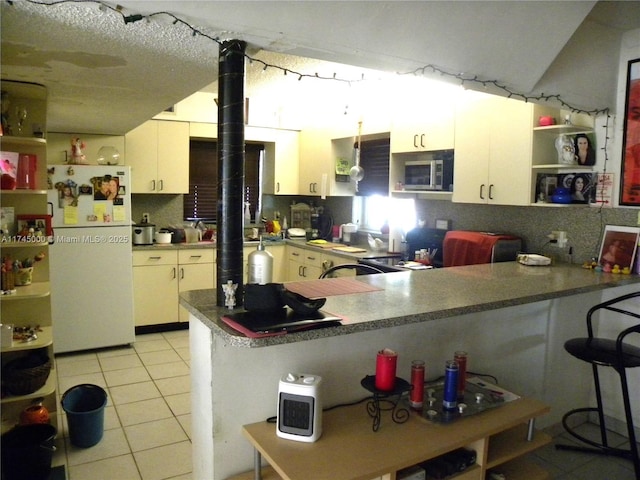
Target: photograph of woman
{"type": "Point", "coordinates": [581, 188]}
{"type": "Point", "coordinates": [584, 152]}
{"type": "Point", "coordinates": [68, 197]}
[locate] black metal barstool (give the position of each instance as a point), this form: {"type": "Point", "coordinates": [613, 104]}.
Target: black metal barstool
{"type": "Point", "coordinates": [361, 268]}
{"type": "Point", "coordinates": [603, 352]}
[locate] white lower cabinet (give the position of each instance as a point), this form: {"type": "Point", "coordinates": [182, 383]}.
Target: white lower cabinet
{"type": "Point", "coordinates": [309, 264]}
{"type": "Point", "coordinates": [158, 278]}
{"type": "Point", "coordinates": [196, 271]}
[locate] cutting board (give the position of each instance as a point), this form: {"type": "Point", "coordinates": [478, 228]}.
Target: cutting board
{"type": "Point", "coordinates": [346, 249]}
{"type": "Point", "coordinates": [325, 245]}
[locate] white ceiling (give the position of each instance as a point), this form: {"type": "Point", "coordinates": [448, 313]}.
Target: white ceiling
{"type": "Point", "coordinates": [105, 76]}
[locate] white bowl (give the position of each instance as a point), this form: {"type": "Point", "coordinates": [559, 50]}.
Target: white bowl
{"type": "Point", "coordinates": [163, 237]}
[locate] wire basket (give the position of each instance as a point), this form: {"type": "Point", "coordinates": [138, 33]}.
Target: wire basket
{"type": "Point", "coordinates": [25, 375]}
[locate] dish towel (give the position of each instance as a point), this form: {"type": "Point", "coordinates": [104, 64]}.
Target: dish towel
{"type": "Point", "coordinates": [470, 248]}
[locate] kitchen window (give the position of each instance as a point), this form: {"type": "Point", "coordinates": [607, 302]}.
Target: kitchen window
{"type": "Point", "coordinates": [372, 212]}
{"type": "Point", "coordinates": [202, 200]}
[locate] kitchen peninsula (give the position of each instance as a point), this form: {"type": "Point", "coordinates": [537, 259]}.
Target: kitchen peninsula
{"type": "Point", "coordinates": [512, 320]}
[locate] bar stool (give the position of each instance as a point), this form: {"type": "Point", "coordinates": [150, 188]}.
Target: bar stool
{"type": "Point", "coordinates": [602, 352]}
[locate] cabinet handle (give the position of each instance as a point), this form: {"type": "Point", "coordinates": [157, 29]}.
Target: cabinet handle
{"type": "Point", "coordinates": [422, 140]}
{"type": "Point", "coordinates": [304, 272]}
{"type": "Point", "coordinates": [300, 274]}
{"type": "Point", "coordinates": [415, 140]}
{"type": "Point", "coordinates": [153, 185]}
{"type": "Point", "coordinates": [295, 254]}
{"type": "Point", "coordinates": [161, 185]}
{"type": "Point", "coordinates": [482, 191]}
{"type": "Point", "coordinates": [181, 273]}
{"type": "Point", "coordinates": [154, 258]}
{"type": "Point", "coordinates": [195, 256]}
{"type": "Point", "coordinates": [491, 192]}
{"type": "Point", "coordinates": [174, 272]}
{"type": "Point", "coordinates": [277, 187]}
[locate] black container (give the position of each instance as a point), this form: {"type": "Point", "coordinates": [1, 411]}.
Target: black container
{"type": "Point", "coordinates": [27, 452]}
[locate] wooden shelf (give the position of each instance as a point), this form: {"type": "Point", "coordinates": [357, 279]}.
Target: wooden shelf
{"type": "Point", "coordinates": [23, 191]}
{"type": "Point", "coordinates": [358, 453]}
{"type": "Point", "coordinates": [22, 244]}
{"type": "Point", "coordinates": [562, 166]}
{"type": "Point", "coordinates": [511, 444]}
{"type": "Point", "coordinates": [25, 292]}
{"type": "Point", "coordinates": [23, 141]}
{"type": "Point", "coordinates": [47, 389]}
{"type": "Point", "coordinates": [45, 338]}
{"type": "Point", "coordinates": [521, 469]}
{"type": "Point", "coordinates": [563, 129]}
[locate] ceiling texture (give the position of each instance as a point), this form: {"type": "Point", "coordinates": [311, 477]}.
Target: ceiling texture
{"type": "Point", "coordinates": [107, 76]}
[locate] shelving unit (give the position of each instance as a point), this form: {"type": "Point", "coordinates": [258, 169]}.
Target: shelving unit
{"type": "Point", "coordinates": [543, 150]}
{"type": "Point", "coordinates": [30, 305]}
{"type": "Point", "coordinates": [499, 437]}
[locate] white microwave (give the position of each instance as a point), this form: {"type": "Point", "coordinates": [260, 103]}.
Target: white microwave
{"type": "Point", "coordinates": [436, 174]}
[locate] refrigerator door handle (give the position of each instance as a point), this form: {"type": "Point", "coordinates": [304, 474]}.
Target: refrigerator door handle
{"type": "Point", "coordinates": [51, 238]}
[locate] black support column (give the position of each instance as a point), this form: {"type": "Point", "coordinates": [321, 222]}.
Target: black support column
{"type": "Point", "coordinates": [230, 168]}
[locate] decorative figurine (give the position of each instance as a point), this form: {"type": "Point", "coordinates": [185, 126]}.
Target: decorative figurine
{"type": "Point", "coordinates": [566, 150]}
{"type": "Point", "coordinates": [77, 157]}
{"type": "Point", "coordinates": [230, 294]}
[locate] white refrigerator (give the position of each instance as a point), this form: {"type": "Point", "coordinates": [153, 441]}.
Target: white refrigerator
{"type": "Point", "coordinates": [90, 257]}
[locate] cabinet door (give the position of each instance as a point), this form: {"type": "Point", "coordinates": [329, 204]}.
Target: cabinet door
{"type": "Point", "coordinates": [141, 153]}
{"type": "Point", "coordinates": [472, 143]}
{"type": "Point", "coordinates": [155, 294]}
{"type": "Point", "coordinates": [315, 160]}
{"type": "Point", "coordinates": [425, 123]}
{"type": "Point", "coordinates": [173, 157]}
{"type": "Point", "coordinates": [281, 164]}
{"type": "Point", "coordinates": [194, 276]}
{"type": "Point", "coordinates": [510, 152]}
{"type": "Point", "coordinates": [279, 262]}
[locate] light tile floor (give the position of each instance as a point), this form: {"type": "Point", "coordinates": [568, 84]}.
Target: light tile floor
{"type": "Point", "coordinates": [148, 414]}
{"type": "Point", "coordinates": [148, 418]}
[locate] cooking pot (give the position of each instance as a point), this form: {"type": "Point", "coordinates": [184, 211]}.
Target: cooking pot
{"type": "Point", "coordinates": [143, 233]}
{"type": "Point", "coordinates": [163, 236]}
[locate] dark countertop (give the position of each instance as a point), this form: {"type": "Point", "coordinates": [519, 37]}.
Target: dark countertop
{"type": "Point", "coordinates": [411, 297]}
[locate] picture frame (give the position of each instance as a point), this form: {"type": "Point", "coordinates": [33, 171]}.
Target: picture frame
{"type": "Point", "coordinates": [630, 168]}
{"type": "Point", "coordinates": [37, 222]}
{"type": "Point", "coordinates": [619, 247]}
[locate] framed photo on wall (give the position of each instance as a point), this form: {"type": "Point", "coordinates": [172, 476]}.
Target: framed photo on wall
{"type": "Point", "coordinates": [630, 177]}
{"type": "Point", "coordinates": [618, 247]}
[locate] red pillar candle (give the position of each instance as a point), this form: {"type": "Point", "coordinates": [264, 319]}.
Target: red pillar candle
{"type": "Point", "coordinates": [460, 358]}
{"type": "Point", "coordinates": [386, 362]}
{"type": "Point", "coordinates": [417, 383]}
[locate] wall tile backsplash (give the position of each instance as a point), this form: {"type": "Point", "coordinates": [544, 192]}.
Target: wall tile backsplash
{"type": "Point", "coordinates": [584, 225]}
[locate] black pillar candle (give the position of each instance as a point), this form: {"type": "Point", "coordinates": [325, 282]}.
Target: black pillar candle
{"type": "Point", "coordinates": [230, 168]}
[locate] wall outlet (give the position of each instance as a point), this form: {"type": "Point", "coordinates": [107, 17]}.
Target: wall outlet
{"type": "Point", "coordinates": [146, 218]}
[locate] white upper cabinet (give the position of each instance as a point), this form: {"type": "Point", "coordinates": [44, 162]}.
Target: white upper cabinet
{"type": "Point", "coordinates": [282, 147]}
{"type": "Point", "coordinates": [158, 153]}
{"type": "Point", "coordinates": [492, 150]}
{"type": "Point", "coordinates": [424, 120]}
